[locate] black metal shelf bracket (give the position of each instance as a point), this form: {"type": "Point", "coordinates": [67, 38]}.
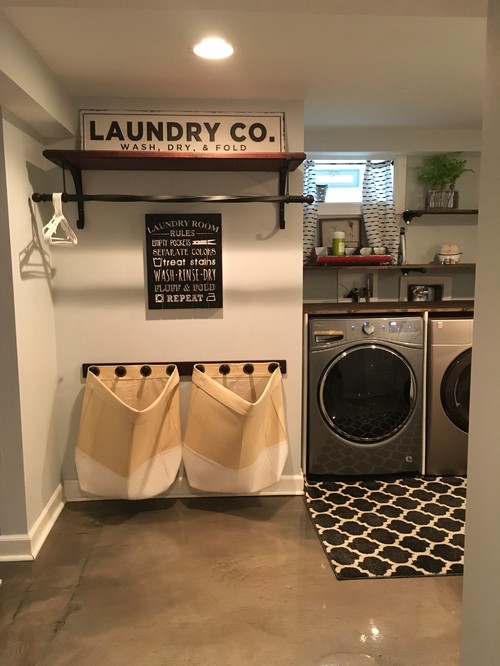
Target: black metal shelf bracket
{"type": "Point", "coordinates": [407, 270]}
{"type": "Point", "coordinates": [76, 174]}
{"type": "Point", "coordinates": [408, 215]}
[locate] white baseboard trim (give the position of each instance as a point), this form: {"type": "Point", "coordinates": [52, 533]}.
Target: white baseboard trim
{"type": "Point", "coordinates": [23, 547]}
{"type": "Point", "coordinates": [180, 489]}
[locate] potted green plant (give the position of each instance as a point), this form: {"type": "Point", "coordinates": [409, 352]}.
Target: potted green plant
{"type": "Point", "coordinates": [440, 173]}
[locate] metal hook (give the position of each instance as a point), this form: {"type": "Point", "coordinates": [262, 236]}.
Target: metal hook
{"type": "Point", "coordinates": [145, 370]}
{"type": "Point", "coordinates": [272, 367]}
{"type": "Point", "coordinates": [248, 369]}
{"type": "Point", "coordinates": [224, 369]}
{"type": "Point", "coordinates": [120, 371]}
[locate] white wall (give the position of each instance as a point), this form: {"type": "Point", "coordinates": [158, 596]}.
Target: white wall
{"type": "Point", "coordinates": [425, 234]}
{"type": "Point", "coordinates": [34, 319]}
{"type": "Point", "coordinates": [28, 88]}
{"type": "Point", "coordinates": [390, 140]}
{"type": "Point", "coordinates": [12, 498]}
{"type": "Point", "coordinates": [31, 460]}
{"type": "Point", "coordinates": [100, 294]}
{"type": "Point", "coordinates": [481, 608]}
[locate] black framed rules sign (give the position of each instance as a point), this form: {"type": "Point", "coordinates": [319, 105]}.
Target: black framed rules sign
{"type": "Point", "coordinates": [184, 261]}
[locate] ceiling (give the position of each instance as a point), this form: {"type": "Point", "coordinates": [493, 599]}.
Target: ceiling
{"type": "Point", "coordinates": [355, 63]}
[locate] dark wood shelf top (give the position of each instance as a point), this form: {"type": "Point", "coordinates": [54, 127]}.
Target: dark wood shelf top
{"type": "Point", "coordinates": [166, 161]}
{"type": "Point", "coordinates": [389, 307]}
{"type": "Point", "coordinates": [422, 268]}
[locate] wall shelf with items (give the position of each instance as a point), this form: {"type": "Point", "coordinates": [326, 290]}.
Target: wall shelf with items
{"type": "Point", "coordinates": [409, 214]}
{"type": "Point", "coordinates": [76, 161]}
{"type": "Point", "coordinates": [404, 268]}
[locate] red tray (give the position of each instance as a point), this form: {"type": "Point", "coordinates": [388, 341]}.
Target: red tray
{"type": "Point", "coordinates": [370, 260]}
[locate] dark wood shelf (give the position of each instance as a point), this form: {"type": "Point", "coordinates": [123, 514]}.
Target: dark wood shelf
{"type": "Point", "coordinates": [385, 307]}
{"type": "Point", "coordinates": [77, 161]}
{"type": "Point", "coordinates": [157, 161]}
{"type": "Point", "coordinates": [409, 214]}
{"type": "Point", "coordinates": [404, 268]}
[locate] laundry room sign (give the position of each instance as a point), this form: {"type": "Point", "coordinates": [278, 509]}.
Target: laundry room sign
{"type": "Point", "coordinates": [184, 261]}
{"type": "Point", "coordinates": [190, 132]}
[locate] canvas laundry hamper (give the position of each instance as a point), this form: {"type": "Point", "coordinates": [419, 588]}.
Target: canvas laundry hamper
{"type": "Point", "coordinates": [235, 439]}
{"type": "Point", "coordinates": [129, 440]}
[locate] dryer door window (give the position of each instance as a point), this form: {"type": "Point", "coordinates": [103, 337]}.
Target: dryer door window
{"type": "Point", "coordinates": [455, 391]}
{"type": "Point", "coordinates": [367, 394]}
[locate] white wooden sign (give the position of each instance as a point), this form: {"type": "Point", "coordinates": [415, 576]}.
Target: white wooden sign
{"type": "Point", "coordinates": [190, 132]}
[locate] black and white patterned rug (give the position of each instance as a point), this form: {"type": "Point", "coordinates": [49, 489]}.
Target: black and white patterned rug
{"type": "Point", "coordinates": [398, 526]}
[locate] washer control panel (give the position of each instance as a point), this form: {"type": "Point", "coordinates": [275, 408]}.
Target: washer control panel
{"type": "Point", "coordinates": [334, 331]}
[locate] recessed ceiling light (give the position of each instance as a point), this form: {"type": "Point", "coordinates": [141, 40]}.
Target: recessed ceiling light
{"type": "Point", "coordinates": [213, 48]}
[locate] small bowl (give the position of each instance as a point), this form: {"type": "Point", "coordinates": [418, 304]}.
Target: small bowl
{"type": "Point", "coordinates": [449, 257]}
{"type": "Point", "coordinates": [379, 250]}
{"type": "Point", "coordinates": [349, 251]}
{"type": "Point", "coordinates": [365, 251]}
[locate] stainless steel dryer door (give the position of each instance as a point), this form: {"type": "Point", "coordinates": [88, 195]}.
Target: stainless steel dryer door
{"type": "Point", "coordinates": [455, 390]}
{"type": "Point", "coordinates": [367, 394]}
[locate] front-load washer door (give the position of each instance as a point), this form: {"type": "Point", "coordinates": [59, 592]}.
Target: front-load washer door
{"type": "Point", "coordinates": [367, 394]}
{"type": "Point", "coordinates": [455, 390]}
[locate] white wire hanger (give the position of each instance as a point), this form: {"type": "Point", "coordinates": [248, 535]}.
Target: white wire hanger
{"type": "Point", "coordinates": [58, 231]}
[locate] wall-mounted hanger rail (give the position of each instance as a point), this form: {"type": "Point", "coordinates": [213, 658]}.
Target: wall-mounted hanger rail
{"type": "Point", "coordinates": [77, 160]}
{"type": "Point", "coordinates": [39, 197]}
{"type": "Point", "coordinates": [185, 368]}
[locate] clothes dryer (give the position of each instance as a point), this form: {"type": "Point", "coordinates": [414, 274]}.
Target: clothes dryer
{"type": "Point", "coordinates": [365, 395]}
{"type": "Point", "coordinates": [448, 394]}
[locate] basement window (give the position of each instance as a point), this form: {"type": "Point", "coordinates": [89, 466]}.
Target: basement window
{"type": "Point", "coordinates": [340, 181]}
{"type": "Point", "coordinates": [343, 180]}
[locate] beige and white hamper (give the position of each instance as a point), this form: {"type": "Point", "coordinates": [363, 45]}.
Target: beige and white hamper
{"type": "Point", "coordinates": [129, 440]}
{"type": "Point", "coordinates": [235, 439]}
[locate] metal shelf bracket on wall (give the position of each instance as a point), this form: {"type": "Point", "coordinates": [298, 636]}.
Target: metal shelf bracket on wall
{"type": "Point", "coordinates": [406, 271]}
{"type": "Point", "coordinates": [409, 214]}
{"type": "Point", "coordinates": [75, 161]}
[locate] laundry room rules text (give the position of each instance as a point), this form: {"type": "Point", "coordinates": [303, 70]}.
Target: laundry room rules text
{"type": "Point", "coordinates": [184, 261]}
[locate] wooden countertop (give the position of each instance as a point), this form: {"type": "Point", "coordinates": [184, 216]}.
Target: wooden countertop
{"type": "Point", "coordinates": [388, 307]}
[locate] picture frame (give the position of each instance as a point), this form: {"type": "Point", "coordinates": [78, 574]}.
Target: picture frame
{"type": "Point", "coordinates": [351, 225]}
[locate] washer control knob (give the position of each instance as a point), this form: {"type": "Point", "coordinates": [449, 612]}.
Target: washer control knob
{"type": "Point", "coordinates": [368, 328]}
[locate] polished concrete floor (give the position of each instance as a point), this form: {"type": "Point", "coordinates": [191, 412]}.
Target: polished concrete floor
{"type": "Point", "coordinates": [212, 582]}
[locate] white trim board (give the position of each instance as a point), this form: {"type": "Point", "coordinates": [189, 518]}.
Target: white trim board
{"type": "Point", "coordinates": [23, 547]}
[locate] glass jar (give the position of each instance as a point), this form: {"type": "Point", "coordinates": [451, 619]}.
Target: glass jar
{"type": "Point", "coordinates": [338, 244]}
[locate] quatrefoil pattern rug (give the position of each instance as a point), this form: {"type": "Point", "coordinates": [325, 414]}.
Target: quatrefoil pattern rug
{"type": "Point", "coordinates": [392, 527]}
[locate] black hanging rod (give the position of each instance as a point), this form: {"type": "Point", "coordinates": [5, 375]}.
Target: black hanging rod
{"type": "Point", "coordinates": [281, 199]}
{"type": "Point", "coordinates": [39, 197]}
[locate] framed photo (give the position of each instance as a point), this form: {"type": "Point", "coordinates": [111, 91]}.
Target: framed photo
{"type": "Point", "coordinates": [349, 224]}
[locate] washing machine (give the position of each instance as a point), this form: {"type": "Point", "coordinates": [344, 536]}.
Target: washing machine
{"type": "Point", "coordinates": [448, 393]}
{"type": "Point", "coordinates": [365, 395]}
